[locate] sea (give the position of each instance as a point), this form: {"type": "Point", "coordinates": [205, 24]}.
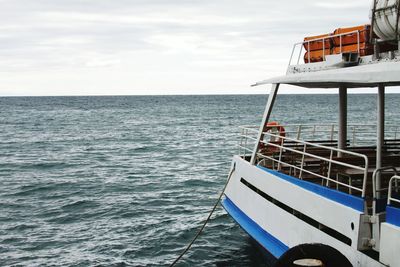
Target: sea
{"type": "Point", "coordinates": [128, 180]}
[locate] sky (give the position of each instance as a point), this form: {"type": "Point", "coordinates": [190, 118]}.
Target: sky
{"type": "Point", "coordinates": [146, 47]}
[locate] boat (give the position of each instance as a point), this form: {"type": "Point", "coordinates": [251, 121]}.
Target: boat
{"type": "Point", "coordinates": [326, 194]}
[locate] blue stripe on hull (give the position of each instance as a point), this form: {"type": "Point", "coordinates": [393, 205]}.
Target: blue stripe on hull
{"type": "Point", "coordinates": [266, 240]}
{"type": "Point", "coordinates": [393, 215]}
{"type": "Point", "coordinates": [354, 202]}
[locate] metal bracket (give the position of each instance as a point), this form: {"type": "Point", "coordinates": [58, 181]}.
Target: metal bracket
{"type": "Point", "coordinates": [373, 219]}
{"type": "Point", "coordinates": [365, 239]}
{"type": "Point", "coordinates": [368, 242]}
{"type": "Point", "coordinates": [370, 219]}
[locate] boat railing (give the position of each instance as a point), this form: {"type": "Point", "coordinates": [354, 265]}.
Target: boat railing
{"type": "Point", "coordinates": [393, 191]}
{"type": "Point", "coordinates": [308, 161]}
{"type": "Point", "coordinates": [380, 191]}
{"type": "Point", "coordinates": [248, 139]}
{"type": "Point", "coordinates": [359, 135]}
{"type": "Point", "coordinates": [307, 44]}
{"type": "Point", "coordinates": [336, 168]}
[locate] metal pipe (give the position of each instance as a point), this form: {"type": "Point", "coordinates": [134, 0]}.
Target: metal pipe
{"type": "Point", "coordinates": [375, 175]}
{"type": "Point", "coordinates": [380, 132]}
{"type": "Point", "coordinates": [267, 114]}
{"type": "Point", "coordinates": [313, 145]}
{"type": "Point", "coordinates": [291, 56]}
{"type": "Point", "coordinates": [298, 58]}
{"type": "Point", "coordinates": [397, 20]}
{"type": "Point", "coordinates": [390, 198]}
{"type": "Point", "coordinates": [332, 131]}
{"type": "Point", "coordinates": [342, 133]}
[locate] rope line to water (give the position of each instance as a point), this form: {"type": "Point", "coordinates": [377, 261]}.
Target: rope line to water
{"type": "Point", "coordinates": [206, 221]}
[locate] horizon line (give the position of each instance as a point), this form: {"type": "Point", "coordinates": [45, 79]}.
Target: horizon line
{"type": "Point", "coordinates": [217, 94]}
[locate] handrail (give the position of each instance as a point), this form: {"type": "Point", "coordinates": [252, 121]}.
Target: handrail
{"type": "Point", "coordinates": [304, 154]}
{"type": "Point", "coordinates": [320, 158]}
{"type": "Point", "coordinates": [340, 35]}
{"type": "Point", "coordinates": [375, 177]}
{"type": "Point", "coordinates": [358, 134]}
{"type": "Point", "coordinates": [319, 124]}
{"type": "Point", "coordinates": [316, 145]}
{"type": "Point", "coordinates": [311, 143]}
{"type": "Point", "coordinates": [390, 198]}
{"type": "Point", "coordinates": [376, 193]}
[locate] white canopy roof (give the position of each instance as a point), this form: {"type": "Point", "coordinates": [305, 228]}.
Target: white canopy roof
{"type": "Point", "coordinates": [369, 75]}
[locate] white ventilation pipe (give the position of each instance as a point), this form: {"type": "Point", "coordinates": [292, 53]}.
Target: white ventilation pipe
{"type": "Point", "coordinates": [385, 19]}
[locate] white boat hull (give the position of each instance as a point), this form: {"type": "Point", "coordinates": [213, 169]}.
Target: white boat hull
{"type": "Point", "coordinates": [280, 213]}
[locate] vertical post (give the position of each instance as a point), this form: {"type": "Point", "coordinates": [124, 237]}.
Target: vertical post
{"type": "Point", "coordinates": [397, 21]}
{"type": "Point", "coordinates": [342, 132]}
{"type": "Point", "coordinates": [332, 131]}
{"type": "Point", "coordinates": [380, 133]}
{"type": "Point", "coordinates": [371, 33]}
{"type": "Point", "coordinates": [267, 114]}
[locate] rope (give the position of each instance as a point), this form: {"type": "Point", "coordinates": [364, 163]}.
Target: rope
{"type": "Point", "coordinates": [206, 221]}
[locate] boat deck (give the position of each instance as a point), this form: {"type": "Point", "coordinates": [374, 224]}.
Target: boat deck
{"type": "Point", "coordinates": [313, 156]}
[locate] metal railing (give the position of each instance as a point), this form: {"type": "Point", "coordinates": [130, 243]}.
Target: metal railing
{"type": "Point", "coordinates": [394, 186]}
{"type": "Point", "coordinates": [358, 134]}
{"type": "Point", "coordinates": [248, 138]}
{"type": "Point", "coordinates": [305, 160]}
{"type": "Point", "coordinates": [323, 40]}
{"type": "Point", "coordinates": [378, 191]}
{"type": "Point", "coordinates": [317, 161]}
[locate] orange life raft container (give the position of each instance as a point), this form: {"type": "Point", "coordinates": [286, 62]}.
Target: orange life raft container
{"type": "Point", "coordinates": [350, 37]}
{"type": "Point", "coordinates": [360, 35]}
{"type": "Point", "coordinates": [314, 43]}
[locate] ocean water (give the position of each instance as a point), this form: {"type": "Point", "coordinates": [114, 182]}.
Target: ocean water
{"type": "Point", "coordinates": [128, 180]}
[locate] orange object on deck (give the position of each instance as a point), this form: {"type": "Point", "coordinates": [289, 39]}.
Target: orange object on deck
{"type": "Point", "coordinates": [351, 39]}
{"type": "Point", "coordinates": [318, 44]}
{"type": "Point", "coordinates": [365, 49]}
{"type": "Point", "coordinates": [316, 56]}
{"type": "Point", "coordinates": [361, 36]}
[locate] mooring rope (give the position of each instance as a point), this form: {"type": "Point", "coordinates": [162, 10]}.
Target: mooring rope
{"type": "Point", "coordinates": [207, 220]}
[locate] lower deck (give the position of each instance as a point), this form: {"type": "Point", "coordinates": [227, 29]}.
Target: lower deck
{"type": "Point", "coordinates": [313, 156]}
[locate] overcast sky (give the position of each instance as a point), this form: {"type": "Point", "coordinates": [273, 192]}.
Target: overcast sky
{"type": "Point", "coordinates": [98, 47]}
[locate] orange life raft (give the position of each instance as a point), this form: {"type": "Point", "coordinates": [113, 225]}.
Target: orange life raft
{"type": "Point", "coordinates": [317, 48]}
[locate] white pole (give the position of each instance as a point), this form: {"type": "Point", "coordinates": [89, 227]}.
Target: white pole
{"type": "Point", "coordinates": [342, 132]}
{"type": "Point", "coordinates": [380, 132]}
{"type": "Point", "coordinates": [267, 114]}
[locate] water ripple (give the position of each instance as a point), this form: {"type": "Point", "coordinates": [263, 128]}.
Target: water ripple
{"type": "Point", "coordinates": [127, 181]}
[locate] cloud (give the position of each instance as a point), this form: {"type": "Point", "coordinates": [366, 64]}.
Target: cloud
{"type": "Point", "coordinates": [156, 46]}
{"type": "Point", "coordinates": [341, 5]}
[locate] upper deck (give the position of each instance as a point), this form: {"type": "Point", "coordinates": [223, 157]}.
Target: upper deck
{"type": "Point", "coordinates": [342, 64]}
{"type": "Point", "coordinates": [385, 72]}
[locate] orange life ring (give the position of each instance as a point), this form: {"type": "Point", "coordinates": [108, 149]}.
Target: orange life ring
{"type": "Point", "coordinates": [279, 130]}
